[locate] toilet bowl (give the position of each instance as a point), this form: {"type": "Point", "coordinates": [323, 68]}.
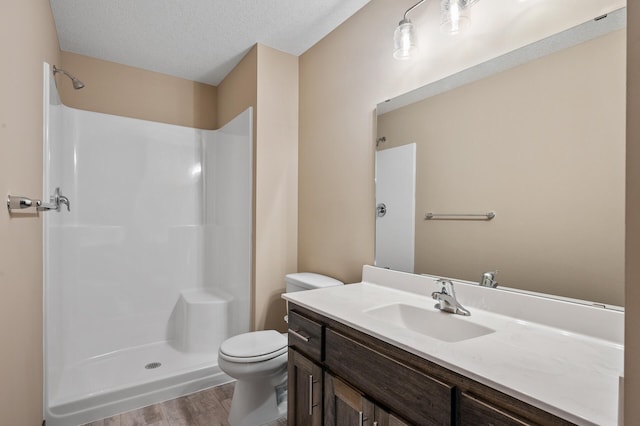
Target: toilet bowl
{"type": "Point", "coordinates": [258, 362]}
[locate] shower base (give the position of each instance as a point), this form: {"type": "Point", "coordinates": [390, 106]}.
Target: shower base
{"type": "Point", "coordinates": [117, 382]}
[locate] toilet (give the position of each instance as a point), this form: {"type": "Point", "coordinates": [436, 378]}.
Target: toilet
{"type": "Point", "coordinates": [258, 362]}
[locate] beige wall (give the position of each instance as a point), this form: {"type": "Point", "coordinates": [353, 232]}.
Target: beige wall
{"type": "Point", "coordinates": [117, 89]}
{"type": "Point", "coordinates": [632, 273]}
{"type": "Point", "coordinates": [27, 39]}
{"type": "Point", "coordinates": [268, 80]}
{"type": "Point", "coordinates": [239, 89]}
{"type": "Point", "coordinates": [554, 176]}
{"type": "Point", "coordinates": [276, 183]}
{"type": "Point", "coordinates": [237, 92]}
{"type": "Point", "coordinates": [339, 88]}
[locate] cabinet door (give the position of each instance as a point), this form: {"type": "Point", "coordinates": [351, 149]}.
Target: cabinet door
{"type": "Point", "coordinates": [344, 405]}
{"type": "Point", "coordinates": [384, 418]}
{"type": "Point", "coordinates": [304, 393]}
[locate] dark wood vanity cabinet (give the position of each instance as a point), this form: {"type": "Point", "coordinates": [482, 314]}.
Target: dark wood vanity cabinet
{"type": "Point", "coordinates": [416, 396]}
{"type": "Point", "coordinates": [340, 376]}
{"type": "Point", "coordinates": [304, 390]}
{"type": "Point", "coordinates": [344, 405]}
{"type": "Point", "coordinates": [305, 386]}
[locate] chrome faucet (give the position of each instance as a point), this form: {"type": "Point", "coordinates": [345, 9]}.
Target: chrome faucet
{"type": "Point", "coordinates": [446, 298]}
{"type": "Point", "coordinates": [489, 279]}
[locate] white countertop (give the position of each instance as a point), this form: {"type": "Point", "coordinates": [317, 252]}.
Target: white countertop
{"type": "Point", "coordinates": [562, 357]}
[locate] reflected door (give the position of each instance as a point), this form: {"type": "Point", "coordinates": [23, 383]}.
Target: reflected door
{"type": "Point", "coordinates": [395, 207]}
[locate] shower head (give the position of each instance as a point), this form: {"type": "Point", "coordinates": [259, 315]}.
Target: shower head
{"type": "Point", "coordinates": [77, 84]}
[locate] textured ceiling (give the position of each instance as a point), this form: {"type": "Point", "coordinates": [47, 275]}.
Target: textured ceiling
{"type": "Point", "coordinates": [199, 40]}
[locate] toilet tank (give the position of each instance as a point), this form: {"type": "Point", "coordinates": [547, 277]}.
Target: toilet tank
{"type": "Point", "coordinates": [309, 281]}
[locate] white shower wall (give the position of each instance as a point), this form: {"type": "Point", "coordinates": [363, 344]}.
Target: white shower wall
{"type": "Point", "coordinates": [157, 211]}
{"type": "Point", "coordinates": [228, 217]}
{"type": "Point", "coordinates": [132, 239]}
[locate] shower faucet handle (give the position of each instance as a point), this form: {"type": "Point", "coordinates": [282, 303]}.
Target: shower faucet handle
{"type": "Point", "coordinates": [64, 200]}
{"type": "Point", "coordinates": [54, 202]}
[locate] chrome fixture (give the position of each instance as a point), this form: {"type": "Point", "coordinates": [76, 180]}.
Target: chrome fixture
{"type": "Point", "coordinates": [489, 279]}
{"type": "Point", "coordinates": [459, 216]}
{"type": "Point", "coordinates": [77, 84]}
{"type": "Point", "coordinates": [54, 202]}
{"type": "Point", "coordinates": [57, 199]}
{"type": "Point", "coordinates": [447, 300]}
{"type": "Point", "coordinates": [19, 203]}
{"type": "Point", "coordinates": [454, 17]}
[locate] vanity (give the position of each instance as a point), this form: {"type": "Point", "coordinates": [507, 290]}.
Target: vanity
{"type": "Point", "coordinates": [379, 353]}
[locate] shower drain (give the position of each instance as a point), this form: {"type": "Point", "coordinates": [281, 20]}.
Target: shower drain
{"type": "Point", "coordinates": [152, 365]}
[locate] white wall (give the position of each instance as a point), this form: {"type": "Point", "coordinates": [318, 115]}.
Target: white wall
{"type": "Point", "coordinates": [227, 219]}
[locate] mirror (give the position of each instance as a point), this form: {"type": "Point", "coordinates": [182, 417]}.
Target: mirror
{"type": "Point", "coordinates": [535, 137]}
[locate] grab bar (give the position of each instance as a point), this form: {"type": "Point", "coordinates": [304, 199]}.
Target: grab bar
{"type": "Point", "coordinates": [460, 216]}
{"type": "Point", "coordinates": [19, 203]}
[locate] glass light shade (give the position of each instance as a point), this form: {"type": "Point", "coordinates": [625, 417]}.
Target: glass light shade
{"type": "Point", "coordinates": [455, 15]}
{"type": "Point", "coordinates": [404, 40]}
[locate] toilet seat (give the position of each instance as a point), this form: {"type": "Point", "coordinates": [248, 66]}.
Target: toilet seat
{"type": "Point", "coordinates": [255, 346]}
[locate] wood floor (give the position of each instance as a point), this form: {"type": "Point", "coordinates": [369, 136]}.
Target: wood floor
{"type": "Point", "coordinates": [207, 408]}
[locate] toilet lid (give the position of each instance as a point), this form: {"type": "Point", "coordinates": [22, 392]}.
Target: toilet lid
{"type": "Point", "coordinates": [254, 346]}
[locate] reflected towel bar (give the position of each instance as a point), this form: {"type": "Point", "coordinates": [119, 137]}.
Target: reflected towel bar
{"type": "Point", "coordinates": [459, 216]}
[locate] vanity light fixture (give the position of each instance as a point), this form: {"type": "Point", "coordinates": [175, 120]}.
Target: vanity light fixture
{"type": "Point", "coordinates": [404, 37]}
{"type": "Point", "coordinates": [454, 16]}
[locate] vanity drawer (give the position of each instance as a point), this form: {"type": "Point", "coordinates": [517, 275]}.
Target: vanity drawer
{"type": "Point", "coordinates": [306, 336]}
{"type": "Point", "coordinates": [494, 408]}
{"type": "Point", "coordinates": [474, 411]}
{"type": "Point", "coordinates": [419, 398]}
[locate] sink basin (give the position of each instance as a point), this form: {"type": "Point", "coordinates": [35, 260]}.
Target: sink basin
{"type": "Point", "coordinates": [430, 322]}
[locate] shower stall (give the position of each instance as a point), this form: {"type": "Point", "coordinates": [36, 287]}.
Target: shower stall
{"type": "Point", "coordinates": [150, 268]}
